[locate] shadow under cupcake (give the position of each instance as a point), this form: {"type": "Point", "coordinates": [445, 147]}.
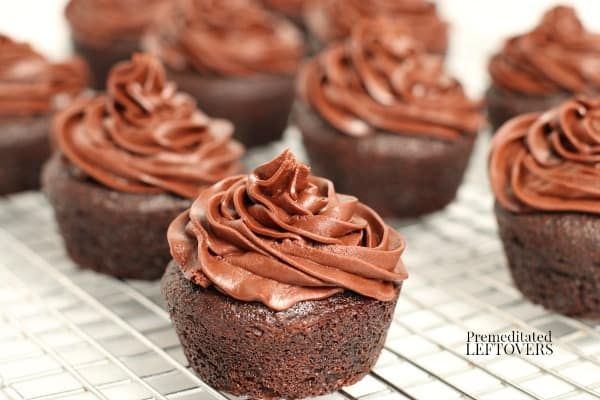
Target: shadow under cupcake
{"type": "Point", "coordinates": [128, 162]}
{"type": "Point", "coordinates": [542, 68]}
{"type": "Point", "coordinates": [236, 58]}
{"type": "Point", "coordinates": [279, 286]}
{"type": "Point", "coordinates": [31, 90]}
{"type": "Point", "coordinates": [544, 171]}
{"type": "Point", "coordinates": [383, 120]}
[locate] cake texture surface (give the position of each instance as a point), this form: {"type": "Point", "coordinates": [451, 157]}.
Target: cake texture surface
{"type": "Point", "coordinates": [544, 174]}
{"type": "Point", "coordinates": [105, 32]}
{"type": "Point", "coordinates": [128, 162]}
{"type": "Point", "coordinates": [237, 58]}
{"type": "Point", "coordinates": [32, 88]}
{"type": "Point", "coordinates": [280, 286]}
{"type": "Point", "coordinates": [542, 68]}
{"type": "Point", "coordinates": [404, 126]}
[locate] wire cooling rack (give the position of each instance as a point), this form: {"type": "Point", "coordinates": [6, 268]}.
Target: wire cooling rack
{"type": "Point", "coordinates": [72, 334]}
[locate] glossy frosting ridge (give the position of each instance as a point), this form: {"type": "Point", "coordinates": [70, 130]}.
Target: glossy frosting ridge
{"type": "Point", "coordinates": [143, 136]}
{"type": "Point", "coordinates": [334, 19]}
{"type": "Point", "coordinates": [32, 85]}
{"type": "Point", "coordinates": [549, 161]}
{"type": "Point", "coordinates": [559, 55]}
{"type": "Point", "coordinates": [227, 38]}
{"type": "Point", "coordinates": [281, 236]}
{"type": "Point", "coordinates": [381, 79]}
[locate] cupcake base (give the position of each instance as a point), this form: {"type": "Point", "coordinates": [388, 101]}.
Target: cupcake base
{"type": "Point", "coordinates": [554, 259]}
{"type": "Point", "coordinates": [245, 348]}
{"type": "Point", "coordinates": [24, 147]}
{"type": "Point", "coordinates": [503, 105]}
{"type": "Point", "coordinates": [102, 59]}
{"type": "Point", "coordinates": [115, 233]}
{"type": "Point", "coordinates": [258, 107]}
{"type": "Point", "coordinates": [397, 175]}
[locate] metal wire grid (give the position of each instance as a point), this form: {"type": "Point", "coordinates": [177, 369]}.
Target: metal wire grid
{"type": "Point", "coordinates": [72, 334]}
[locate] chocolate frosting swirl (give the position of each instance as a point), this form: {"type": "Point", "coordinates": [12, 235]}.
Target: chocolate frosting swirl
{"type": "Point", "coordinates": [280, 236]}
{"type": "Point", "coordinates": [331, 20]}
{"type": "Point", "coordinates": [32, 85]}
{"type": "Point", "coordinates": [549, 161]}
{"type": "Point", "coordinates": [145, 137]}
{"type": "Point", "coordinates": [227, 38]}
{"type": "Point", "coordinates": [559, 55]}
{"type": "Point", "coordinates": [102, 22]}
{"type": "Point", "coordinates": [381, 79]}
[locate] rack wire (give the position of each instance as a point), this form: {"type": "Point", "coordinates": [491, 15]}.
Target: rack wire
{"type": "Point", "coordinates": [71, 334]}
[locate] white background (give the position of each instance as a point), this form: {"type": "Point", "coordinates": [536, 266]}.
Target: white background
{"type": "Point", "coordinates": [477, 28]}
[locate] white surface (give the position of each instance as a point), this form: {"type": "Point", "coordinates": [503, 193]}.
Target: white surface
{"type": "Point", "coordinates": [39, 22]}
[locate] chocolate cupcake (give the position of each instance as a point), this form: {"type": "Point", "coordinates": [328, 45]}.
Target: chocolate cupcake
{"type": "Point", "coordinates": [384, 121]}
{"type": "Point", "coordinates": [237, 59]}
{"type": "Point", "coordinates": [330, 20]}
{"type": "Point", "coordinates": [105, 32]}
{"type": "Point", "coordinates": [280, 287]}
{"type": "Point", "coordinates": [544, 170]}
{"type": "Point", "coordinates": [129, 162]}
{"type": "Point", "coordinates": [31, 89]}
{"type": "Point", "coordinates": [542, 68]}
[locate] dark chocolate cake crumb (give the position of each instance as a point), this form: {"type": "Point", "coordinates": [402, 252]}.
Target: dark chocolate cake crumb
{"type": "Point", "coordinates": [116, 233]}
{"type": "Point", "coordinates": [554, 259]}
{"type": "Point", "coordinates": [245, 348]}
